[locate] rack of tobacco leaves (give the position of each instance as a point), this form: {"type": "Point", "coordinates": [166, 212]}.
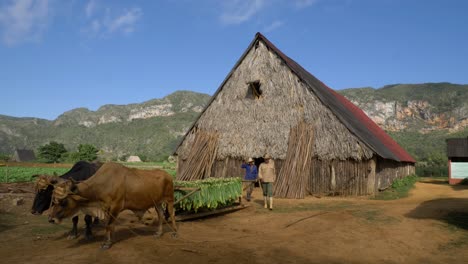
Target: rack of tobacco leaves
{"type": "Point", "coordinates": [201, 198]}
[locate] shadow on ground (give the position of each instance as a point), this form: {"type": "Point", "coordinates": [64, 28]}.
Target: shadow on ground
{"type": "Point", "coordinates": [456, 187]}
{"type": "Point", "coordinates": [453, 211]}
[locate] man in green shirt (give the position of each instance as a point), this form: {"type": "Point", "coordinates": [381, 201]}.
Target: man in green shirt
{"type": "Point", "coordinates": [267, 176]}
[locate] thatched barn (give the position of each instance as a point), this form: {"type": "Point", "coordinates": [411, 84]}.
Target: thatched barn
{"type": "Point", "coordinates": [320, 142]}
{"type": "Point", "coordinates": [133, 159]}
{"type": "Point", "coordinates": [23, 155]}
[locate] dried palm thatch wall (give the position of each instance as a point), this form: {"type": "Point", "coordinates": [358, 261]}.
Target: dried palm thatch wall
{"type": "Point", "coordinates": [250, 127]}
{"type": "Point", "coordinates": [201, 157]}
{"type": "Point", "coordinates": [388, 170]}
{"type": "Point", "coordinates": [294, 175]}
{"type": "Point", "coordinates": [247, 126]}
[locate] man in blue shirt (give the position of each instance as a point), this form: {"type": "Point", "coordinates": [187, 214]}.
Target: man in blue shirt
{"type": "Point", "coordinates": [250, 175]}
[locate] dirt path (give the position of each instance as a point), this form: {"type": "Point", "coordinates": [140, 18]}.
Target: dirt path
{"type": "Point", "coordinates": [427, 227]}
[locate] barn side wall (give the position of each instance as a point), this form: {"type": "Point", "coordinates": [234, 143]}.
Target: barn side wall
{"type": "Point", "coordinates": [231, 167]}
{"type": "Point", "coordinates": [351, 178]}
{"type": "Point", "coordinates": [388, 170]}
{"type": "Point", "coordinates": [339, 177]}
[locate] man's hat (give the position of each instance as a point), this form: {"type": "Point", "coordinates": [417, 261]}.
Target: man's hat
{"type": "Point", "coordinates": [250, 160]}
{"type": "Point", "coordinates": [267, 156]}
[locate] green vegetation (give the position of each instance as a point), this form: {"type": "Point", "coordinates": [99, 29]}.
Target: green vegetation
{"type": "Point", "coordinates": [154, 139]}
{"type": "Point", "coordinates": [86, 152]}
{"type": "Point", "coordinates": [52, 152]}
{"type": "Point", "coordinates": [4, 157]}
{"type": "Point", "coordinates": [214, 193]}
{"type": "Point", "coordinates": [430, 149]}
{"type": "Point", "coordinates": [56, 152]}
{"type": "Point", "coordinates": [399, 189]}
{"type": "Point", "coordinates": [22, 174]}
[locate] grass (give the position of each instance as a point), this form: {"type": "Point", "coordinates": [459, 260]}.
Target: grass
{"type": "Point", "coordinates": [399, 189]}
{"type": "Point", "coordinates": [22, 174]}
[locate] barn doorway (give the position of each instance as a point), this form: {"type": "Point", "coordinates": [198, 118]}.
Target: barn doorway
{"type": "Point", "coordinates": [257, 162]}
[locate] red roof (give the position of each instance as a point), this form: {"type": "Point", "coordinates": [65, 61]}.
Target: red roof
{"type": "Point", "coordinates": [352, 116]}
{"type": "Point", "coordinates": [378, 132]}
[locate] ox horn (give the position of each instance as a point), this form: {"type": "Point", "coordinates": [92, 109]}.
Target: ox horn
{"type": "Point", "coordinates": [42, 183]}
{"type": "Point", "coordinates": [60, 192]}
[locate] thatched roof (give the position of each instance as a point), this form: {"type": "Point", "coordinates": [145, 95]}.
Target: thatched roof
{"type": "Point", "coordinates": [249, 127]}
{"type": "Point", "coordinates": [133, 159]}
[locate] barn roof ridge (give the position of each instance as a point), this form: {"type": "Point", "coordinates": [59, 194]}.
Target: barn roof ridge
{"type": "Point", "coordinates": [349, 114]}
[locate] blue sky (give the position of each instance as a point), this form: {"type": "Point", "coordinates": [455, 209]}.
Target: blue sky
{"type": "Point", "coordinates": [57, 55]}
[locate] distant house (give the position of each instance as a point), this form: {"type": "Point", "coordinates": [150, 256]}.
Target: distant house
{"type": "Point", "coordinates": [133, 159]}
{"type": "Point", "coordinates": [23, 155]}
{"type": "Point", "coordinates": [457, 152]}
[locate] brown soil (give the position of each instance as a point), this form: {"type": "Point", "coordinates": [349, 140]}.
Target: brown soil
{"type": "Point", "coordinates": [430, 226]}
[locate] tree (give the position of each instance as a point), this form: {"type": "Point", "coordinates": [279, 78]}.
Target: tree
{"type": "Point", "coordinates": [87, 152]}
{"type": "Point", "coordinates": [51, 152]}
{"type": "Point", "coordinates": [4, 157]}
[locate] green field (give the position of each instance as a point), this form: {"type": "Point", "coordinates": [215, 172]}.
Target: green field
{"type": "Point", "coordinates": [22, 174]}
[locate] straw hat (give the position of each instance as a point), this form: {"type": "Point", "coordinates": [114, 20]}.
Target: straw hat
{"type": "Point", "coordinates": [267, 156]}
{"type": "Point", "coordinates": [250, 160]}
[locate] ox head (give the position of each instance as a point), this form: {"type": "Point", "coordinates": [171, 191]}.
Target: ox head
{"type": "Point", "coordinates": [43, 188]}
{"type": "Point", "coordinates": [65, 202]}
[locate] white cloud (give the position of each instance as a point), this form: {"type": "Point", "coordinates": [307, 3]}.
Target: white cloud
{"type": "Point", "coordinates": [304, 3]}
{"type": "Point", "coordinates": [91, 8]}
{"type": "Point", "coordinates": [103, 23]}
{"type": "Point", "coordinates": [276, 24]}
{"type": "Point", "coordinates": [239, 11]}
{"type": "Point", "coordinates": [125, 22]}
{"type": "Point", "coordinates": [234, 12]}
{"type": "Point", "coordinates": [23, 20]}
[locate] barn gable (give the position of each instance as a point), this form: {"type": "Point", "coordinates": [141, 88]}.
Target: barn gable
{"type": "Point", "coordinates": [249, 126]}
{"type": "Point", "coordinates": [23, 155]}
{"type": "Point", "coordinates": [262, 104]}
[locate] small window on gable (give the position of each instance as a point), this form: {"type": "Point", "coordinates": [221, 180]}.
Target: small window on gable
{"type": "Point", "coordinates": [254, 91]}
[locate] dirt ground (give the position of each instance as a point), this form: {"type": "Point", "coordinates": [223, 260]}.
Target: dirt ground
{"type": "Point", "coordinates": [430, 226]}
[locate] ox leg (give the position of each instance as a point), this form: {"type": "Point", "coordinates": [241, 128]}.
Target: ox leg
{"type": "Point", "coordinates": [170, 208]}
{"type": "Point", "coordinates": [88, 232]}
{"type": "Point", "coordinates": [74, 232]}
{"type": "Point", "coordinates": [110, 227]}
{"type": "Point", "coordinates": [159, 232]}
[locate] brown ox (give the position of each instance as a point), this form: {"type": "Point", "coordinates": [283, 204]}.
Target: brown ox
{"type": "Point", "coordinates": [111, 190]}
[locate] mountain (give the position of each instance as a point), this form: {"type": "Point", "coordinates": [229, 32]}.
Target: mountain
{"type": "Point", "coordinates": [419, 116]}
{"type": "Point", "coordinates": [414, 107]}
{"type": "Point", "coordinates": [150, 129]}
